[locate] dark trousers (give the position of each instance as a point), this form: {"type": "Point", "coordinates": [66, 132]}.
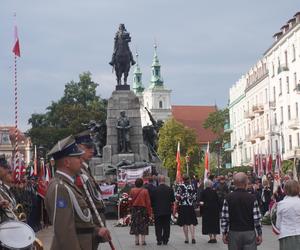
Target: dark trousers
{"type": "Point", "coordinates": [242, 240]}
{"type": "Point", "coordinates": [162, 227]}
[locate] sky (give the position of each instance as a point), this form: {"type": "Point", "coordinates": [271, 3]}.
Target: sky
{"type": "Point", "coordinates": [204, 46]}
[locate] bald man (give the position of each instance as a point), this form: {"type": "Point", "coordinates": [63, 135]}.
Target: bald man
{"type": "Point", "coordinates": [240, 221]}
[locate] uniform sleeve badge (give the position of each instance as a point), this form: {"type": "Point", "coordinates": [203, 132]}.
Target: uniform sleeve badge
{"type": "Point", "coordinates": [61, 203]}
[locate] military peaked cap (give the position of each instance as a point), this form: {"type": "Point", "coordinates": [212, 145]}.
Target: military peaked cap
{"type": "Point", "coordinates": [65, 147]}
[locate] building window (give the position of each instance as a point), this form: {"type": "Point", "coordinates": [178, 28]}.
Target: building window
{"type": "Point", "coordinates": [275, 118]}
{"type": "Point", "coordinates": [294, 52]}
{"type": "Point", "coordinates": [266, 95]}
{"type": "Point", "coordinates": [160, 104]}
{"type": "Point", "coordinates": [274, 94]}
{"type": "Point", "coordinates": [278, 59]}
{"type": "Point", "coordinates": [280, 87]}
{"type": "Point", "coordinates": [290, 142]}
{"type": "Point", "coordinates": [295, 80]}
{"type": "Point", "coordinates": [296, 109]}
{"type": "Point", "coordinates": [281, 115]}
{"type": "Point", "coordinates": [276, 145]}
{"type": "Point", "coordinates": [273, 70]}
{"type": "Point", "coordinates": [267, 121]}
{"type": "Point", "coordinates": [287, 85]}
{"type": "Point", "coordinates": [298, 139]}
{"type": "Point", "coordinates": [286, 58]}
{"type": "Point", "coordinates": [282, 143]}
{"type": "Point", "coordinates": [289, 112]}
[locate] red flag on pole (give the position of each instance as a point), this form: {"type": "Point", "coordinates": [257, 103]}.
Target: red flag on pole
{"type": "Point", "coordinates": [270, 164]}
{"type": "Point", "coordinates": [206, 162]}
{"type": "Point", "coordinates": [178, 172]}
{"type": "Point", "coordinates": [16, 48]}
{"type": "Point", "coordinates": [277, 182]}
{"type": "Point", "coordinates": [35, 162]}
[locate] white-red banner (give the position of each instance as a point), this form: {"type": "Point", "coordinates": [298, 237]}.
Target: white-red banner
{"type": "Point", "coordinates": [107, 191]}
{"type": "Point", "coordinates": [130, 175]}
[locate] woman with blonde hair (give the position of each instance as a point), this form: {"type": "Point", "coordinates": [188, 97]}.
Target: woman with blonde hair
{"type": "Point", "coordinates": [288, 217]}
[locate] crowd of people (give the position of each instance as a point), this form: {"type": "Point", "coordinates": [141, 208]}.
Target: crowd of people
{"type": "Point", "coordinates": [232, 205]}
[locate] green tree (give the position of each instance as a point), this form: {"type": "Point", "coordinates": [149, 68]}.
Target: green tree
{"type": "Point", "coordinates": [170, 134]}
{"type": "Point", "coordinates": [79, 105]}
{"type": "Point", "coordinates": [215, 122]}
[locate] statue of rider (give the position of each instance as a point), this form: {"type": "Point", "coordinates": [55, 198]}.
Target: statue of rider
{"type": "Point", "coordinates": [122, 37]}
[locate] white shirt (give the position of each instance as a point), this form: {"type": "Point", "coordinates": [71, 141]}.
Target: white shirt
{"type": "Point", "coordinates": [288, 216]}
{"type": "Point", "coordinates": [66, 175]}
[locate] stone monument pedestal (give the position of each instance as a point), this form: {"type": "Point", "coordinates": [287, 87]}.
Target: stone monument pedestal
{"type": "Point", "coordinates": [123, 100]}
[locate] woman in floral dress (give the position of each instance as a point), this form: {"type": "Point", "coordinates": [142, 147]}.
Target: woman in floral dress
{"type": "Point", "coordinates": [186, 196]}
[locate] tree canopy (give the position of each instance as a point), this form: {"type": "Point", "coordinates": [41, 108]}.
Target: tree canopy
{"type": "Point", "coordinates": [170, 134]}
{"type": "Point", "coordinates": [215, 122]}
{"type": "Point", "coordinates": [79, 105]}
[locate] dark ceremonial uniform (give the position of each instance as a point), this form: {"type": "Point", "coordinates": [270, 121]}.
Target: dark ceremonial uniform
{"type": "Point", "coordinates": [72, 230]}
{"type": "Point", "coordinates": [6, 194]}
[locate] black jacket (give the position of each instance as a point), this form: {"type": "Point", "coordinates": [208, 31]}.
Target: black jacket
{"type": "Point", "coordinates": [163, 197]}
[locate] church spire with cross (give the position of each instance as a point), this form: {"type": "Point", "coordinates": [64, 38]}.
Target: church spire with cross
{"type": "Point", "coordinates": [137, 87]}
{"type": "Point", "coordinates": [156, 78]}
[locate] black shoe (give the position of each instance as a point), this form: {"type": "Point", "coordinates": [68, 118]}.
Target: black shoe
{"type": "Point", "coordinates": [186, 241]}
{"type": "Point", "coordinates": [210, 241]}
{"type": "Point", "coordinates": [144, 243]}
{"type": "Point", "coordinates": [159, 243]}
{"type": "Point", "coordinates": [137, 243]}
{"type": "Point", "coordinates": [165, 243]}
{"type": "Point", "coordinates": [193, 241]}
{"type": "Point", "coordinates": [214, 241]}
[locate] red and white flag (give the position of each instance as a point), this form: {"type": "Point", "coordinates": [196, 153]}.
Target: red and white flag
{"type": "Point", "coordinates": [178, 170]}
{"type": "Point", "coordinates": [35, 162]}
{"type": "Point", "coordinates": [16, 47]}
{"type": "Point", "coordinates": [277, 170]}
{"type": "Point", "coordinates": [206, 163]}
{"type": "Point", "coordinates": [270, 164]}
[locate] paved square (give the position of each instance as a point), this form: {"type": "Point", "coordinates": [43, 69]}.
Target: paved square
{"type": "Point", "coordinates": [123, 241]}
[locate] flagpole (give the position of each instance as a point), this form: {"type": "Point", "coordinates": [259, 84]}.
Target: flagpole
{"type": "Point", "coordinates": [16, 115]}
{"type": "Point", "coordinates": [16, 51]}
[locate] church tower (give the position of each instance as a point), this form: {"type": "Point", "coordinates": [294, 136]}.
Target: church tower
{"type": "Point", "coordinates": [137, 86]}
{"type": "Point", "coordinates": [156, 97]}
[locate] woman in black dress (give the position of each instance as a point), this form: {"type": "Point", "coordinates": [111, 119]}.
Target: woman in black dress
{"type": "Point", "coordinates": [210, 206]}
{"type": "Point", "coordinates": [186, 197]}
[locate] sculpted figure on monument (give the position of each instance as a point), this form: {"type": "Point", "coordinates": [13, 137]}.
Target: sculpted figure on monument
{"type": "Point", "coordinates": [151, 134]}
{"type": "Point", "coordinates": [98, 134]}
{"type": "Point", "coordinates": [123, 126]}
{"type": "Point", "coordinates": [122, 56]}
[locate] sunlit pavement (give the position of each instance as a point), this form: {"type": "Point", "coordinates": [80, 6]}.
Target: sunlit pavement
{"type": "Point", "coordinates": [123, 241]}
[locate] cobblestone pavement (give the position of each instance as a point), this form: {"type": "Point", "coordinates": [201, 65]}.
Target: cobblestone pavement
{"type": "Point", "coordinates": [123, 241]}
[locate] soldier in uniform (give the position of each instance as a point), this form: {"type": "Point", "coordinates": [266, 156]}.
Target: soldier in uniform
{"type": "Point", "coordinates": [66, 205]}
{"type": "Point", "coordinates": [4, 201]}
{"type": "Point", "coordinates": [85, 142]}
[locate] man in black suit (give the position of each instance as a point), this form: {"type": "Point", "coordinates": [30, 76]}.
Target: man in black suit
{"type": "Point", "coordinates": [163, 197]}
